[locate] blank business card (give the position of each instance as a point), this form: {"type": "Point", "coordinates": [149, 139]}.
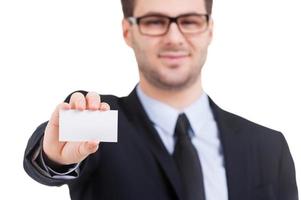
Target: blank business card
{"type": "Point", "coordinates": [88, 125]}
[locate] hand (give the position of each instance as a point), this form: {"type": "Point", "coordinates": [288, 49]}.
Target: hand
{"type": "Point", "coordinates": [65, 153]}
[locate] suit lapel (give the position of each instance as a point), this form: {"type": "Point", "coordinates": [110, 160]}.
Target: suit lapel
{"type": "Point", "coordinates": [150, 137]}
{"type": "Point", "coordinates": [234, 144]}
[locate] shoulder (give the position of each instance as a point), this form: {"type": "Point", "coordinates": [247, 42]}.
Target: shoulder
{"type": "Point", "coordinates": [248, 129]}
{"type": "Point", "coordinates": [266, 144]}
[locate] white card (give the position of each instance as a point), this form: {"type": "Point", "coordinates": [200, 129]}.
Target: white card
{"type": "Point", "coordinates": [88, 125]}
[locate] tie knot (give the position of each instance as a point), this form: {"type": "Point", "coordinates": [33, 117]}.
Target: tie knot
{"type": "Point", "coordinates": [182, 126]}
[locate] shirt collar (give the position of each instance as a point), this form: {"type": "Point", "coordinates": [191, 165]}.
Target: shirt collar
{"type": "Point", "coordinates": [165, 116]}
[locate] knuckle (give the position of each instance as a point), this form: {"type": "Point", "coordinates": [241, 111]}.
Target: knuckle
{"type": "Point", "coordinates": [105, 106]}
{"type": "Point", "coordinates": [77, 99]}
{"type": "Point", "coordinates": [93, 96]}
{"type": "Point", "coordinates": [93, 99]}
{"type": "Point", "coordinates": [76, 96]}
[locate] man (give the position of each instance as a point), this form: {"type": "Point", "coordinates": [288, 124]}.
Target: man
{"type": "Point", "coordinates": [174, 142]}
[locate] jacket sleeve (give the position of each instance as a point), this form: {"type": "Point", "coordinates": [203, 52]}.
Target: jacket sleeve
{"type": "Point", "coordinates": [31, 164]}
{"type": "Point", "coordinates": [32, 168]}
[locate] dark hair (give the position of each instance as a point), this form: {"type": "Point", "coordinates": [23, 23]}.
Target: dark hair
{"type": "Point", "coordinates": [128, 7]}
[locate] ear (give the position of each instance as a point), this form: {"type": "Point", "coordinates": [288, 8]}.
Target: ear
{"type": "Point", "coordinates": [210, 29]}
{"type": "Point", "coordinates": [126, 30]}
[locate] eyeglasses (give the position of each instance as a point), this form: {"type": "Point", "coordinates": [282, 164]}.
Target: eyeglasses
{"type": "Point", "coordinates": [158, 25]}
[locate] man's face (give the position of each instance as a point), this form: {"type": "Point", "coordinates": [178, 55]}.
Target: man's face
{"type": "Point", "coordinates": [172, 61]}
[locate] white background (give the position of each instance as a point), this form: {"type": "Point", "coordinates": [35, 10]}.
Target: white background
{"type": "Point", "coordinates": [51, 48]}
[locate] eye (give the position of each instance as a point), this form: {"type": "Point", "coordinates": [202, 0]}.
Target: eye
{"type": "Point", "coordinates": [192, 22]}
{"type": "Point", "coordinates": [189, 22]}
{"type": "Point", "coordinates": [153, 21]}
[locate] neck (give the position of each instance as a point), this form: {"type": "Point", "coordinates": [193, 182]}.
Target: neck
{"type": "Point", "coordinates": [177, 99]}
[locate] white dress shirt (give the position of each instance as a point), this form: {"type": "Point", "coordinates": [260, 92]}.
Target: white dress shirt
{"type": "Point", "coordinates": [204, 134]}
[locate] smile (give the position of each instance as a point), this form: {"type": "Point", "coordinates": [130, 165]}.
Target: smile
{"type": "Point", "coordinates": [174, 56]}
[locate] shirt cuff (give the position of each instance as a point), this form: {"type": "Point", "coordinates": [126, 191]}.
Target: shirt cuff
{"type": "Point", "coordinates": [39, 160]}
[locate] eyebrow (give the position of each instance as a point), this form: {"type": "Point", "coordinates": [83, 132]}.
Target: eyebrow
{"type": "Point", "coordinates": [150, 13]}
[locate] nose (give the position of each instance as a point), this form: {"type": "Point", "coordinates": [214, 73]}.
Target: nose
{"type": "Point", "coordinates": [174, 35]}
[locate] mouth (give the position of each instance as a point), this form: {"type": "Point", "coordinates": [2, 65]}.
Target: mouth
{"type": "Point", "coordinates": [174, 56]}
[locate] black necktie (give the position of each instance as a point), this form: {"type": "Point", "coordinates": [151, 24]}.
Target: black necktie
{"type": "Point", "coordinates": [187, 161]}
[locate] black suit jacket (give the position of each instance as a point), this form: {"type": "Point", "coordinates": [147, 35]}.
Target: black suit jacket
{"type": "Point", "coordinates": [258, 163]}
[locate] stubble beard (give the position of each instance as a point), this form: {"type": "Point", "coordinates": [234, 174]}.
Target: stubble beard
{"type": "Point", "coordinates": [157, 80]}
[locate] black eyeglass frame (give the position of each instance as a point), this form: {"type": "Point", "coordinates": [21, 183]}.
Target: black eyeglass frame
{"type": "Point", "coordinates": [136, 21]}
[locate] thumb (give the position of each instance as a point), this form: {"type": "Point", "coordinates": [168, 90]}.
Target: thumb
{"type": "Point", "coordinates": [86, 148]}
